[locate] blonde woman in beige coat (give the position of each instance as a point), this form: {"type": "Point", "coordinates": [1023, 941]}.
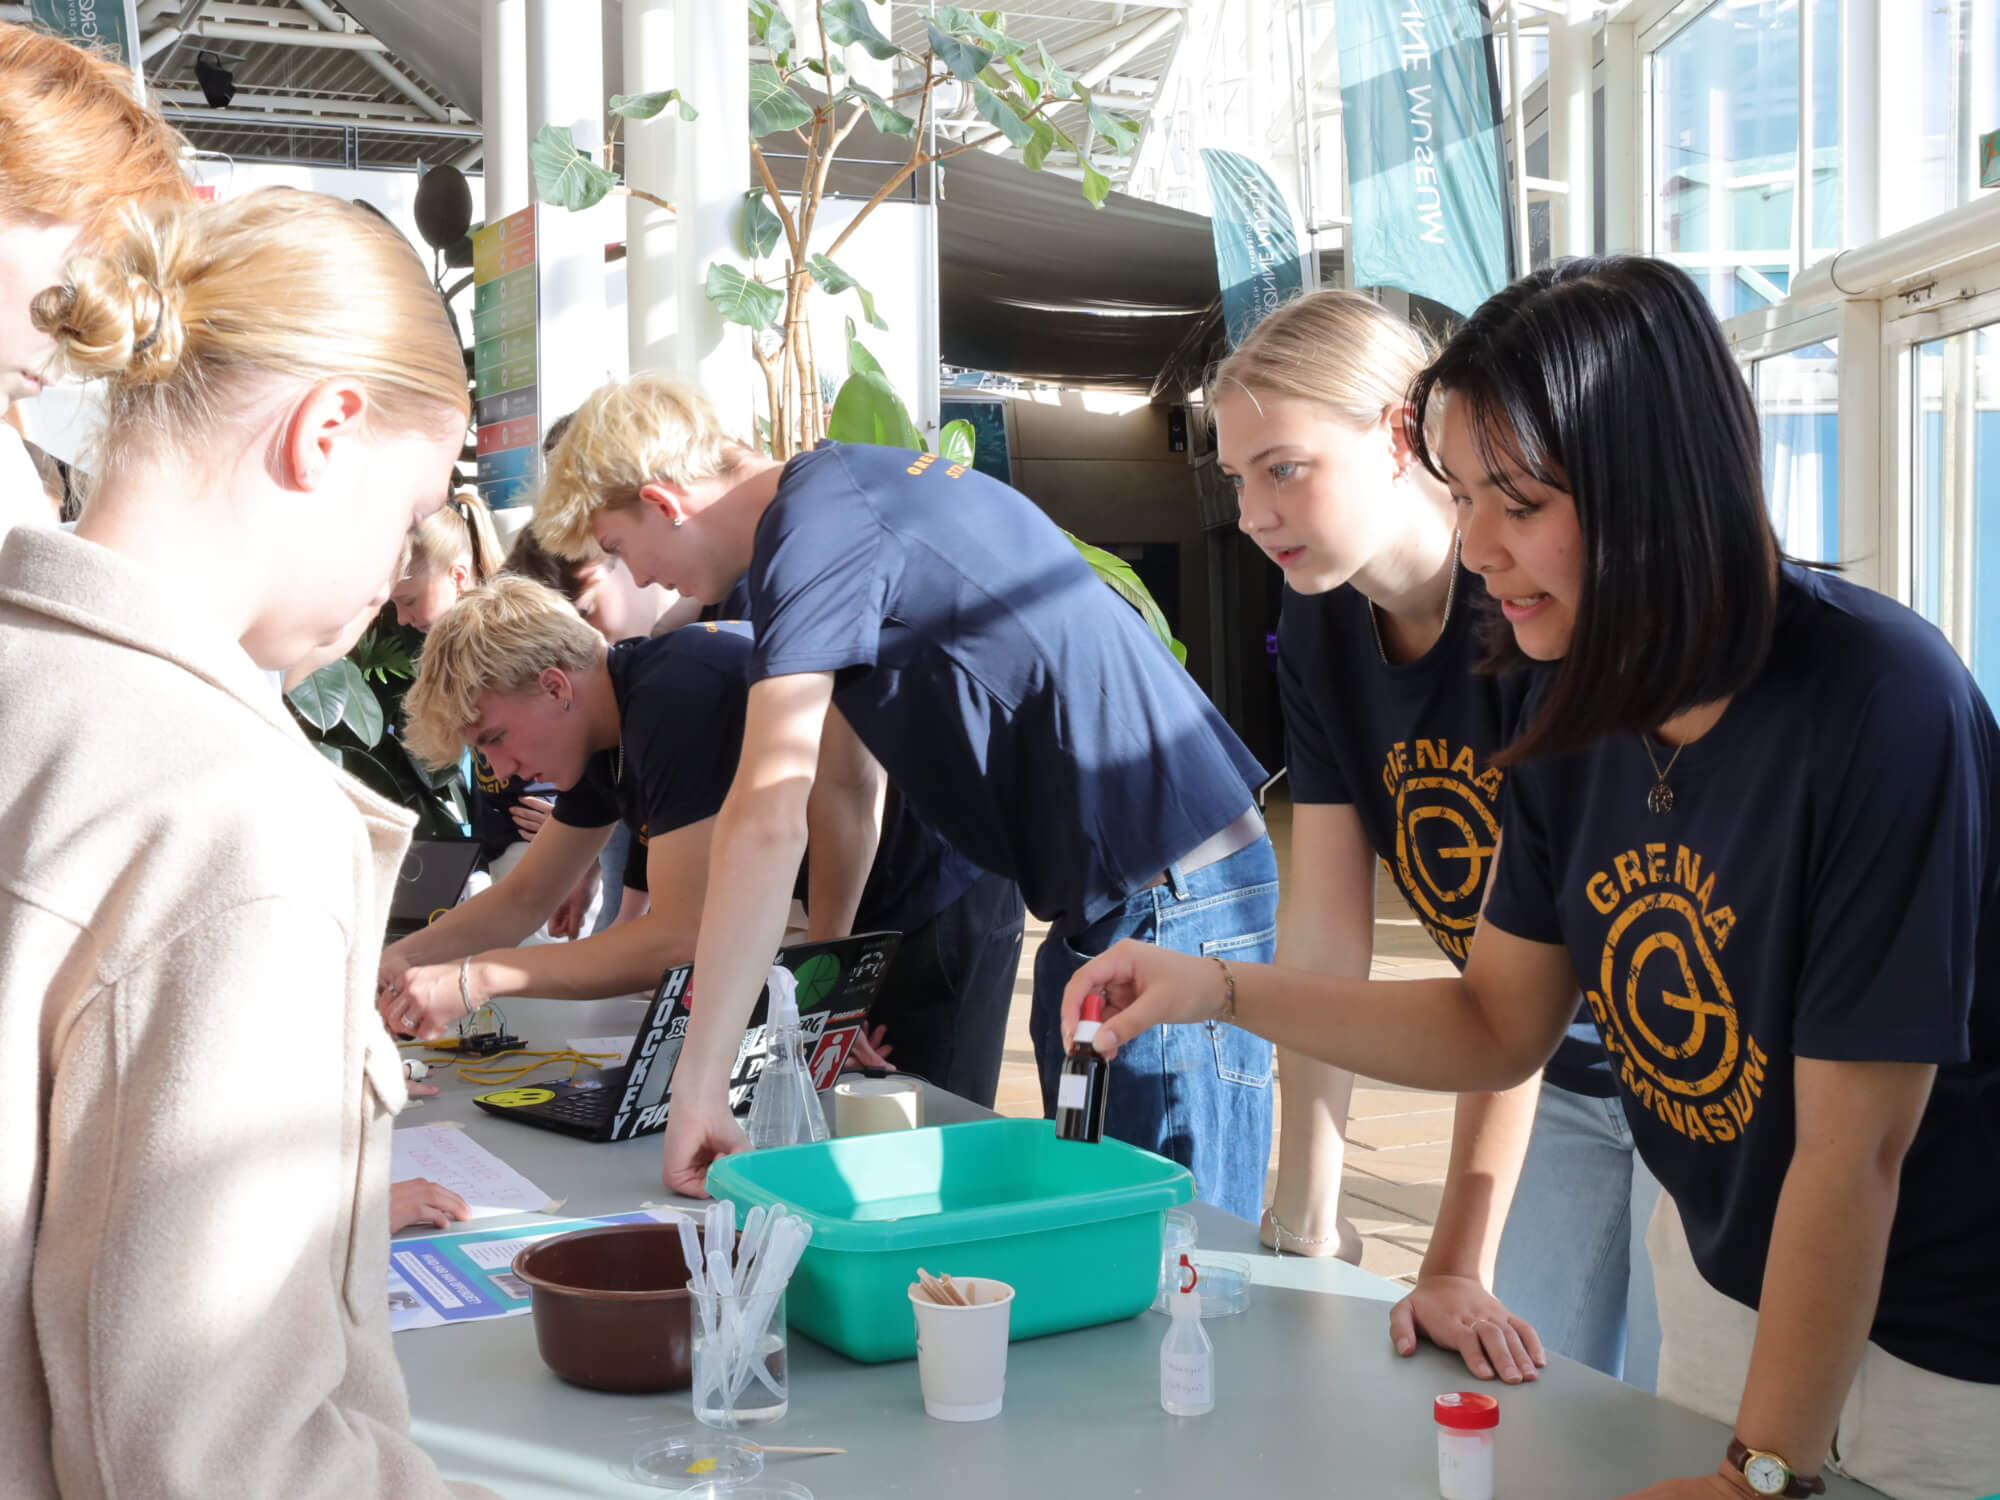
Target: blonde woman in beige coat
{"type": "Point", "coordinates": [195, 1092]}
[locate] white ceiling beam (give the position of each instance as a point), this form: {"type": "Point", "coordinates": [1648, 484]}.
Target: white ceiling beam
{"type": "Point", "coordinates": [256, 118]}
{"type": "Point", "coordinates": [403, 82]}
{"type": "Point", "coordinates": [1154, 31]}
{"type": "Point", "coordinates": [297, 103]}
{"type": "Point", "coordinates": [207, 29]}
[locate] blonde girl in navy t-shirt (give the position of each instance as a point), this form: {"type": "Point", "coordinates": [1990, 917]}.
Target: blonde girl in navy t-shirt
{"type": "Point", "coordinates": [1391, 731]}
{"type": "Point", "coordinates": [1755, 811]}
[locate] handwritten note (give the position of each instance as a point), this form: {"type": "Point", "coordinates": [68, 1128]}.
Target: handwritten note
{"type": "Point", "coordinates": [449, 1156]}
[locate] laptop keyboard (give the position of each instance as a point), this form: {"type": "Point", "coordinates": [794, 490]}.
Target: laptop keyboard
{"type": "Point", "coordinates": [579, 1109]}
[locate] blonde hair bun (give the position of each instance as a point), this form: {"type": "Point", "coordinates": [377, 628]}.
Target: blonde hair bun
{"type": "Point", "coordinates": [113, 320]}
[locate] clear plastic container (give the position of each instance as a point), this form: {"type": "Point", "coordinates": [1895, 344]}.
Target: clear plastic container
{"type": "Point", "coordinates": [741, 1374]}
{"type": "Point", "coordinates": [1225, 1283]}
{"type": "Point", "coordinates": [1178, 1240]}
{"type": "Point", "coordinates": [686, 1463]}
{"type": "Point", "coordinates": [756, 1489]}
{"type": "Point", "coordinates": [785, 1111]}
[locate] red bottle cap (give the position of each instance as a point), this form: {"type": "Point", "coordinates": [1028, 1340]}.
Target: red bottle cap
{"type": "Point", "coordinates": [1467, 1411]}
{"type": "Point", "coordinates": [1093, 1007]}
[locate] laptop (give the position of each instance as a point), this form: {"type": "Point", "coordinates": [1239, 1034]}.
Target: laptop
{"type": "Point", "coordinates": [838, 981]}
{"type": "Point", "coordinates": [431, 882]}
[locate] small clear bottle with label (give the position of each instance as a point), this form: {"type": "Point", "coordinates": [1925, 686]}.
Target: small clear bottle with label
{"type": "Point", "coordinates": [1085, 1084]}
{"type": "Point", "coordinates": [1187, 1358]}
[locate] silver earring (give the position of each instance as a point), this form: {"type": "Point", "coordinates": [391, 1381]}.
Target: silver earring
{"type": "Point", "coordinates": [677, 520]}
{"type": "Point", "coordinates": [565, 705]}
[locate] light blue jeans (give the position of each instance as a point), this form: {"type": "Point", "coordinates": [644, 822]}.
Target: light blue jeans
{"type": "Point", "coordinates": [1573, 1255]}
{"type": "Point", "coordinates": [1199, 1095]}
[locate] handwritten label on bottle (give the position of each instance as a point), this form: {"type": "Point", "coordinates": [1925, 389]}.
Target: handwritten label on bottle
{"type": "Point", "coordinates": [1073, 1092]}
{"type": "Point", "coordinates": [1187, 1380]}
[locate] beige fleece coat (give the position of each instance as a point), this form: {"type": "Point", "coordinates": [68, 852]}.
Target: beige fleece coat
{"type": "Point", "coordinates": [195, 1091]}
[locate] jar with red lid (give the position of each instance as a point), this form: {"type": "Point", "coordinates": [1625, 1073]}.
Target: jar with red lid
{"type": "Point", "coordinates": [1467, 1422]}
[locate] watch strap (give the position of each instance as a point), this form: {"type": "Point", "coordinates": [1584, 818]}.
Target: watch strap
{"type": "Point", "coordinates": [1797, 1488]}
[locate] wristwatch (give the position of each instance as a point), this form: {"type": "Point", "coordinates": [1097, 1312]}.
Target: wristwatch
{"type": "Point", "coordinates": [1769, 1474]}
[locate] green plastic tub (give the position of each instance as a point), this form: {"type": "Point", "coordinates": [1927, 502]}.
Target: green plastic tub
{"type": "Point", "coordinates": [1074, 1229]}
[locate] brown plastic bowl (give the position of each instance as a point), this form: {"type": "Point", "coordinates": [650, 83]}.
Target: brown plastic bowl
{"type": "Point", "coordinates": [611, 1306]}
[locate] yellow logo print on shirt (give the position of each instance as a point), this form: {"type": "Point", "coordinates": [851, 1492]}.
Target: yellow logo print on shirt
{"type": "Point", "coordinates": [1662, 1002]}
{"type": "Point", "coordinates": [1446, 830]}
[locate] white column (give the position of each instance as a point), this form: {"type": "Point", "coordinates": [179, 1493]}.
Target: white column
{"type": "Point", "coordinates": [1571, 45]}
{"type": "Point", "coordinates": [503, 105]}
{"type": "Point", "coordinates": [1625, 167]}
{"type": "Point", "coordinates": [711, 174]}
{"type": "Point", "coordinates": [1860, 136]}
{"type": "Point", "coordinates": [650, 231]}
{"type": "Point", "coordinates": [566, 87]}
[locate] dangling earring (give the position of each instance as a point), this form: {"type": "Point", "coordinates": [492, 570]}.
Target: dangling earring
{"type": "Point", "coordinates": [677, 520]}
{"type": "Point", "coordinates": [565, 705]}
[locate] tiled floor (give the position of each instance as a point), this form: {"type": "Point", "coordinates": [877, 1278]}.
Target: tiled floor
{"type": "Point", "coordinates": [1398, 1139]}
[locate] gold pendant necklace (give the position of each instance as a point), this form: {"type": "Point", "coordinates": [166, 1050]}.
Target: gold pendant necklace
{"type": "Point", "coordinates": [1450, 593]}
{"type": "Point", "coordinates": [1660, 800]}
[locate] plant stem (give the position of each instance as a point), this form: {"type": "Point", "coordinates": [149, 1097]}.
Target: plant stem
{"type": "Point", "coordinates": [653, 198]}
{"type": "Point", "coordinates": [778, 202]}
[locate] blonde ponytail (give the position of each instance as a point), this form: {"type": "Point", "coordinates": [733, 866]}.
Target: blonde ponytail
{"type": "Point", "coordinates": [462, 530]}
{"type": "Point", "coordinates": [1340, 349]}
{"type": "Point", "coordinates": [191, 314]}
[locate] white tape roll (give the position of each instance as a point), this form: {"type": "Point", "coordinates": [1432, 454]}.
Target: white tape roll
{"type": "Point", "coordinates": [869, 1106]}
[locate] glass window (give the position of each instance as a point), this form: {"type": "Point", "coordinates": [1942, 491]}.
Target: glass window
{"type": "Point", "coordinates": [1725, 144]}
{"type": "Point", "coordinates": [1798, 410]}
{"type": "Point", "coordinates": [1959, 92]}
{"type": "Point", "coordinates": [1956, 546]}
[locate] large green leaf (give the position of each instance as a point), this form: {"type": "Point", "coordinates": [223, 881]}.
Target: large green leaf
{"type": "Point", "coordinates": [954, 18]}
{"type": "Point", "coordinates": [1060, 84]}
{"type": "Point", "coordinates": [760, 227]}
{"type": "Point", "coordinates": [322, 698]}
{"type": "Point", "coordinates": [848, 24]}
{"type": "Point", "coordinates": [836, 281]}
{"type": "Point", "coordinates": [363, 714]}
{"type": "Point", "coordinates": [1002, 115]}
{"type": "Point", "coordinates": [958, 442]}
{"type": "Point", "coordinates": [773, 105]}
{"type": "Point", "coordinates": [1095, 184]}
{"type": "Point", "coordinates": [773, 26]}
{"type": "Point", "coordinates": [646, 106]}
{"type": "Point", "coordinates": [1122, 134]}
{"type": "Point", "coordinates": [868, 410]}
{"type": "Point", "coordinates": [965, 60]}
{"type": "Point", "coordinates": [1128, 586]}
{"type": "Point", "coordinates": [1025, 80]}
{"type": "Point", "coordinates": [858, 357]}
{"type": "Point", "coordinates": [563, 174]}
{"type": "Point", "coordinates": [1037, 150]}
{"type": "Point", "coordinates": [740, 299]}
{"type": "Point", "coordinates": [886, 117]}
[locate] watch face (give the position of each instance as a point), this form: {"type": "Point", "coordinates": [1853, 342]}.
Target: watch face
{"type": "Point", "coordinates": [1767, 1475]}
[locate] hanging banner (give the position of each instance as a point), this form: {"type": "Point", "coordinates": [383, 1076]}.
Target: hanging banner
{"type": "Point", "coordinates": [1426, 164]}
{"type": "Point", "coordinates": [110, 26]}
{"type": "Point", "coordinates": [1256, 243]}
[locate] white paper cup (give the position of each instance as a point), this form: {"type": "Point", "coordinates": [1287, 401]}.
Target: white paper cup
{"type": "Point", "coordinates": [869, 1106]}
{"type": "Point", "coordinates": [962, 1351]}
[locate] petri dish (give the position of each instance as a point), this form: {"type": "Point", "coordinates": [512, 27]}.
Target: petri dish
{"type": "Point", "coordinates": [756, 1489]}
{"type": "Point", "coordinates": [1224, 1283]}
{"type": "Point", "coordinates": [696, 1464]}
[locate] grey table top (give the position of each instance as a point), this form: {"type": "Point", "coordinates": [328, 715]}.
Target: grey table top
{"type": "Point", "coordinates": [1309, 1398]}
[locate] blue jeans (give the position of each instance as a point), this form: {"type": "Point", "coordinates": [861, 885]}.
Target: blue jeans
{"type": "Point", "coordinates": [1573, 1255]}
{"type": "Point", "coordinates": [1200, 1095]}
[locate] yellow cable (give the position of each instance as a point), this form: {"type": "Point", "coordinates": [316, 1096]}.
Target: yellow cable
{"type": "Point", "coordinates": [485, 1073]}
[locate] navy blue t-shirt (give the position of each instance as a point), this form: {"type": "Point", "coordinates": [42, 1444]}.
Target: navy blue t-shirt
{"type": "Point", "coordinates": [1827, 885]}
{"type": "Point", "coordinates": [681, 701]}
{"type": "Point", "coordinates": [1022, 706]}
{"type": "Point", "coordinates": [1410, 746]}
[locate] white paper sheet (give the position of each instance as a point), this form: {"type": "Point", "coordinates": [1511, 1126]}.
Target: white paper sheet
{"type": "Point", "coordinates": [447, 1155]}
{"type": "Point", "coordinates": [620, 1046]}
